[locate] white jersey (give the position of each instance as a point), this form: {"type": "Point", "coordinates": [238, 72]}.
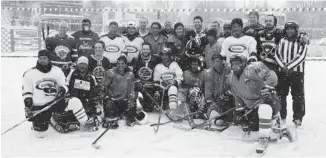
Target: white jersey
{"type": "Point", "coordinates": [245, 45]}
{"type": "Point", "coordinates": [133, 47]}
{"type": "Point", "coordinates": [35, 81]}
{"type": "Point", "coordinates": [173, 67]}
{"type": "Point", "coordinates": [113, 47]}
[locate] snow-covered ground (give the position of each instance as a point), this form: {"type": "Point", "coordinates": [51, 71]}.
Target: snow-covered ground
{"type": "Point", "coordinates": [141, 140]}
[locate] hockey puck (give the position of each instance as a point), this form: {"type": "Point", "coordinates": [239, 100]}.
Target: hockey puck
{"type": "Point", "coordinates": [96, 146]}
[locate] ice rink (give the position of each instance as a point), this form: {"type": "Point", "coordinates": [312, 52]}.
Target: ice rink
{"type": "Point", "coordinates": [141, 140]}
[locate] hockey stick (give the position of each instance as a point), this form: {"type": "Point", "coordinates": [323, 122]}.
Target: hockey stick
{"type": "Point", "coordinates": [213, 118]}
{"type": "Point", "coordinates": [256, 105]}
{"type": "Point", "coordinates": [37, 113]}
{"type": "Point", "coordinates": [179, 119]}
{"type": "Point", "coordinates": [160, 114]}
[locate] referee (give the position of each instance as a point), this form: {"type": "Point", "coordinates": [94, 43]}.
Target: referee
{"type": "Point", "coordinates": [290, 56]}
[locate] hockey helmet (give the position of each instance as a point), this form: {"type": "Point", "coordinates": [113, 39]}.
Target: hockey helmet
{"type": "Point", "coordinates": [131, 24]}
{"type": "Point", "coordinates": [291, 24]}
{"type": "Point", "coordinates": [238, 57]}
{"type": "Point", "coordinates": [141, 117]}
{"type": "Point", "coordinates": [200, 60]}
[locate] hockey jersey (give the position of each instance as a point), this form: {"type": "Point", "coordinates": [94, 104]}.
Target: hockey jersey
{"type": "Point", "coordinates": [245, 45]}
{"type": "Point", "coordinates": [173, 67]}
{"type": "Point", "coordinates": [254, 77]}
{"type": "Point", "coordinates": [200, 35]}
{"type": "Point", "coordinates": [35, 81]}
{"type": "Point", "coordinates": [132, 47]}
{"type": "Point", "coordinates": [144, 69]}
{"type": "Point", "coordinates": [119, 86]}
{"type": "Point", "coordinates": [113, 47]}
{"type": "Point", "coordinates": [85, 42]}
{"type": "Point", "coordinates": [98, 67]}
{"type": "Point", "coordinates": [194, 79]}
{"type": "Point", "coordinates": [62, 50]}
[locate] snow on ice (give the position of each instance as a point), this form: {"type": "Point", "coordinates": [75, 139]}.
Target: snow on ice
{"type": "Point", "coordinates": [141, 140]}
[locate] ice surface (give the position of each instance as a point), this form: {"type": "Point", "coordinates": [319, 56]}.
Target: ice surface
{"type": "Point", "coordinates": [141, 140]}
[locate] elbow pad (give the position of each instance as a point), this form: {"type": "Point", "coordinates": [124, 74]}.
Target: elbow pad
{"type": "Point", "coordinates": [28, 102]}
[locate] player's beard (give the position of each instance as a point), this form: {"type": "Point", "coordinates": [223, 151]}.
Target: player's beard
{"type": "Point", "coordinates": [44, 68]}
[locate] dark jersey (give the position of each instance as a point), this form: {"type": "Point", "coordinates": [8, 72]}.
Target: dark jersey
{"type": "Point", "coordinates": [98, 67]}
{"type": "Point", "coordinates": [143, 70]}
{"type": "Point", "coordinates": [85, 42]}
{"type": "Point", "coordinates": [62, 50]}
{"type": "Point", "coordinates": [201, 35]}
{"type": "Point", "coordinates": [255, 28]}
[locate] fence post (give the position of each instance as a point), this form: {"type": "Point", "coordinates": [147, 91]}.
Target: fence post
{"type": "Point", "coordinates": [12, 41]}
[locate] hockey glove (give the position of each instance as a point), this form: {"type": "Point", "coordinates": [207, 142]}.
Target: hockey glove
{"type": "Point", "coordinates": [266, 93]}
{"type": "Point", "coordinates": [304, 39]}
{"type": "Point", "coordinates": [61, 92]}
{"type": "Point", "coordinates": [28, 108]}
{"type": "Point", "coordinates": [226, 96]}
{"type": "Point", "coordinates": [138, 86]}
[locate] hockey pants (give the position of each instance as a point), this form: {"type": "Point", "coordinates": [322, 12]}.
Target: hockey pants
{"type": "Point", "coordinates": [115, 109]}
{"type": "Point", "coordinates": [296, 82]}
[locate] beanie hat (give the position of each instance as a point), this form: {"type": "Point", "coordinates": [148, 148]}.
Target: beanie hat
{"type": "Point", "coordinates": [82, 59]}
{"type": "Point", "coordinates": [64, 24]}
{"type": "Point", "coordinates": [123, 57]}
{"type": "Point", "coordinates": [211, 32]}
{"type": "Point", "coordinates": [177, 25]}
{"type": "Point", "coordinates": [217, 55]}
{"type": "Point", "coordinates": [237, 21]}
{"type": "Point", "coordinates": [43, 52]}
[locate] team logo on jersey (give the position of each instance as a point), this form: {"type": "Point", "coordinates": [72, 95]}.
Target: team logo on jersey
{"type": "Point", "coordinates": [145, 73]}
{"type": "Point", "coordinates": [237, 48]}
{"type": "Point", "coordinates": [49, 86]}
{"type": "Point", "coordinates": [85, 45]}
{"type": "Point", "coordinates": [112, 48]}
{"type": "Point", "coordinates": [98, 72]}
{"type": "Point", "coordinates": [62, 51]}
{"type": "Point", "coordinates": [131, 49]}
{"type": "Point", "coordinates": [83, 85]}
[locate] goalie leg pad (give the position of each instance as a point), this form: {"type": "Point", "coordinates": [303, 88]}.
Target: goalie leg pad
{"type": "Point", "coordinates": [265, 118]}
{"type": "Point", "coordinates": [172, 92]}
{"type": "Point", "coordinates": [76, 106]}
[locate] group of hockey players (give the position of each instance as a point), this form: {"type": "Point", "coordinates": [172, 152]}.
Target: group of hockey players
{"type": "Point", "coordinates": [90, 81]}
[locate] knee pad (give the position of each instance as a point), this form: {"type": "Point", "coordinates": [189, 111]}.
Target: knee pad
{"type": "Point", "coordinates": [76, 106]}
{"type": "Point", "coordinates": [265, 118]}
{"type": "Point", "coordinates": [172, 92]}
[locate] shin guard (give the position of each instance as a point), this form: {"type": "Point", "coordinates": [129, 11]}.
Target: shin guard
{"type": "Point", "coordinates": [265, 119]}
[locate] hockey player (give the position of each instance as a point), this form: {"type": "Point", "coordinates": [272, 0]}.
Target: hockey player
{"type": "Point", "coordinates": [239, 43]}
{"type": "Point", "coordinates": [120, 96]}
{"type": "Point", "coordinates": [155, 39]}
{"type": "Point", "coordinates": [252, 87]}
{"type": "Point", "coordinates": [198, 34]}
{"type": "Point", "coordinates": [114, 43]}
{"type": "Point", "coordinates": [143, 71]}
{"type": "Point", "coordinates": [290, 57]}
{"type": "Point", "coordinates": [212, 48]}
{"type": "Point", "coordinates": [98, 63]}
{"type": "Point", "coordinates": [43, 85]}
{"type": "Point", "coordinates": [133, 41]}
{"type": "Point", "coordinates": [82, 85]}
{"type": "Point", "coordinates": [168, 66]}
{"type": "Point", "coordinates": [168, 29]}
{"type": "Point", "coordinates": [254, 25]}
{"type": "Point", "coordinates": [62, 49]}
{"type": "Point", "coordinates": [192, 89]}
{"type": "Point", "coordinates": [85, 39]}
{"type": "Point", "coordinates": [217, 94]}
{"type": "Point", "coordinates": [143, 30]}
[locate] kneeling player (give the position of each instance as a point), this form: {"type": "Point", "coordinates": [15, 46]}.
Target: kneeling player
{"type": "Point", "coordinates": [171, 85]}
{"type": "Point", "coordinates": [120, 96]}
{"type": "Point", "coordinates": [250, 85]}
{"type": "Point", "coordinates": [217, 94]}
{"type": "Point", "coordinates": [191, 92]}
{"type": "Point", "coordinates": [44, 85]}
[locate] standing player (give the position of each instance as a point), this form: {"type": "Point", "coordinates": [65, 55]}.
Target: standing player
{"type": "Point", "coordinates": [143, 30]}
{"type": "Point", "coordinates": [133, 41]}
{"type": "Point", "coordinates": [43, 85]}
{"type": "Point", "coordinates": [254, 25]}
{"type": "Point", "coordinates": [213, 47]}
{"type": "Point", "coordinates": [85, 39]}
{"type": "Point", "coordinates": [143, 71]}
{"type": "Point", "coordinates": [98, 63]}
{"type": "Point", "coordinates": [198, 34]}
{"type": "Point", "coordinates": [252, 87]}
{"type": "Point", "coordinates": [290, 57]}
{"type": "Point", "coordinates": [62, 49]}
{"type": "Point", "coordinates": [239, 43]}
{"type": "Point", "coordinates": [155, 39]}
{"type": "Point", "coordinates": [114, 43]}
{"type": "Point", "coordinates": [168, 29]}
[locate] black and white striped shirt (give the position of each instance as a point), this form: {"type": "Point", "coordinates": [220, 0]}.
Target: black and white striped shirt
{"type": "Point", "coordinates": [291, 54]}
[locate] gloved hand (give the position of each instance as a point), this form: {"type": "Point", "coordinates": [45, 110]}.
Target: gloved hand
{"type": "Point", "coordinates": [61, 92]}
{"type": "Point", "coordinates": [157, 95]}
{"type": "Point", "coordinates": [138, 86]}
{"type": "Point", "coordinates": [28, 108]}
{"type": "Point", "coordinates": [266, 93]}
{"type": "Point", "coordinates": [226, 97]}
{"type": "Point", "coordinates": [304, 39]}
{"type": "Point", "coordinates": [250, 32]}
